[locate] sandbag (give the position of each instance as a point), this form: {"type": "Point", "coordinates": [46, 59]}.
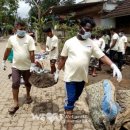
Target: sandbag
{"type": "Point", "coordinates": [123, 118]}
{"type": "Point", "coordinates": [42, 80]}
{"type": "Point", "coordinates": [96, 96]}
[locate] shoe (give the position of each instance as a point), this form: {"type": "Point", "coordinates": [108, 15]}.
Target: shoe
{"type": "Point", "coordinates": [12, 110]}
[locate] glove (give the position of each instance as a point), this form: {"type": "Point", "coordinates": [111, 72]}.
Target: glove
{"type": "Point", "coordinates": [107, 51]}
{"type": "Point", "coordinates": [116, 72]}
{"type": "Point", "coordinates": [33, 67]}
{"type": "Point", "coordinates": [3, 65]}
{"type": "Point", "coordinates": [56, 75]}
{"type": "Point", "coordinates": [47, 50]}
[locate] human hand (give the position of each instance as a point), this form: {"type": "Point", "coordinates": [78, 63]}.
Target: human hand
{"type": "Point", "coordinates": [3, 65]}
{"type": "Point", "coordinates": [116, 72]}
{"type": "Point", "coordinates": [56, 75]}
{"type": "Point", "coordinates": [47, 50]}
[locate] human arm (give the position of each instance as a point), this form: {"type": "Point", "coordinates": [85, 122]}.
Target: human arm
{"type": "Point", "coordinates": [113, 43]}
{"type": "Point", "coordinates": [61, 64]}
{"type": "Point", "coordinates": [32, 55]}
{"type": "Point", "coordinates": [6, 54]}
{"type": "Point", "coordinates": [100, 55]}
{"type": "Point", "coordinates": [116, 71]}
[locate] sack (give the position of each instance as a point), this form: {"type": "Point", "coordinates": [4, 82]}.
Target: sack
{"type": "Point", "coordinates": [42, 80]}
{"type": "Point", "coordinates": [123, 118]}
{"type": "Point", "coordinates": [102, 104]}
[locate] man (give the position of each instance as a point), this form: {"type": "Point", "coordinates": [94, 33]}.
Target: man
{"type": "Point", "coordinates": [75, 56]}
{"type": "Point", "coordinates": [121, 48]}
{"type": "Point", "coordinates": [23, 62]}
{"type": "Point", "coordinates": [113, 44]}
{"type": "Point", "coordinates": [106, 38]}
{"type": "Point", "coordinates": [52, 48]}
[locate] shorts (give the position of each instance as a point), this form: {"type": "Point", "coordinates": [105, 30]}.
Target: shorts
{"type": "Point", "coordinates": [73, 92]}
{"type": "Point", "coordinates": [16, 76]}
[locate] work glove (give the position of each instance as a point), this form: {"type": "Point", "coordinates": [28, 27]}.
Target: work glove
{"type": "Point", "coordinates": [47, 50]}
{"type": "Point", "coordinates": [3, 65]}
{"type": "Point", "coordinates": [33, 67]}
{"type": "Point", "coordinates": [116, 72]}
{"type": "Point", "coordinates": [56, 75]}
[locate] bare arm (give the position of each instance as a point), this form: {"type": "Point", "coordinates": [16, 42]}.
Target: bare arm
{"type": "Point", "coordinates": [53, 48]}
{"type": "Point", "coordinates": [61, 62]}
{"type": "Point", "coordinates": [6, 54]}
{"type": "Point", "coordinates": [106, 60]}
{"type": "Point", "coordinates": [113, 44]}
{"type": "Point", "coordinates": [32, 57]}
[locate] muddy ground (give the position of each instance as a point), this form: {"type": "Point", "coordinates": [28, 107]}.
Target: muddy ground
{"type": "Point", "coordinates": [105, 74]}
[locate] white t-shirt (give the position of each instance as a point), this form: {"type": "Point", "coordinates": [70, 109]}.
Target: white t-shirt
{"type": "Point", "coordinates": [51, 43]}
{"type": "Point", "coordinates": [21, 48]}
{"type": "Point", "coordinates": [102, 44]}
{"type": "Point", "coordinates": [121, 44]}
{"type": "Point", "coordinates": [115, 37]}
{"type": "Point", "coordinates": [79, 54]}
{"type": "Point", "coordinates": [106, 38]}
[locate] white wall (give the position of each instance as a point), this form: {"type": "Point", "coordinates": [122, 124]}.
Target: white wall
{"type": "Point", "coordinates": [108, 23]}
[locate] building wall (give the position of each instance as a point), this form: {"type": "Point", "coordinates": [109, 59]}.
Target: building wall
{"type": "Point", "coordinates": [108, 23]}
{"type": "Point", "coordinates": [90, 1]}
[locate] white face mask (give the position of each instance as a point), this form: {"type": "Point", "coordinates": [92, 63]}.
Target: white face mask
{"type": "Point", "coordinates": [120, 34]}
{"type": "Point", "coordinates": [21, 33]}
{"type": "Point", "coordinates": [86, 35]}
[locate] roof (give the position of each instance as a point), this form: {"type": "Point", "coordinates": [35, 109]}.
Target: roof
{"type": "Point", "coordinates": [123, 9]}
{"type": "Point", "coordinates": [64, 10]}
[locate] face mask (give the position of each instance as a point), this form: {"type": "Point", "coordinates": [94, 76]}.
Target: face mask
{"type": "Point", "coordinates": [120, 34]}
{"type": "Point", "coordinates": [86, 35]}
{"type": "Point", "coordinates": [21, 33]}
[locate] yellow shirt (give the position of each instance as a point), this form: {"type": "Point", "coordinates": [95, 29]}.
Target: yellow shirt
{"type": "Point", "coordinates": [51, 43]}
{"type": "Point", "coordinates": [79, 54]}
{"type": "Point", "coordinates": [21, 48]}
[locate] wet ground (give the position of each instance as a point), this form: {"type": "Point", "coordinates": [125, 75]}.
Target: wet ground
{"type": "Point", "coordinates": [105, 74]}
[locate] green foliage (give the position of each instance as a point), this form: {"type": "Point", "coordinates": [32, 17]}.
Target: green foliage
{"type": "Point", "coordinates": [97, 31]}
{"type": "Point", "coordinates": [69, 32]}
{"type": "Point", "coordinates": [8, 10]}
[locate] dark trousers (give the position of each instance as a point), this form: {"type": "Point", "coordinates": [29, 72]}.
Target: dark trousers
{"type": "Point", "coordinates": [112, 55]}
{"type": "Point", "coordinates": [120, 60]}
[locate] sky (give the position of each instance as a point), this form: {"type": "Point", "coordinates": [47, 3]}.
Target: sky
{"type": "Point", "coordinates": [24, 8]}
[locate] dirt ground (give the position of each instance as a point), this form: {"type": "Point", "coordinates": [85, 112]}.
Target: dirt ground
{"type": "Point", "coordinates": [105, 74]}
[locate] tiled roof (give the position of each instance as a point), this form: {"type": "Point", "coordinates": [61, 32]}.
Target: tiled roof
{"type": "Point", "coordinates": [59, 10]}
{"type": "Point", "coordinates": [123, 9]}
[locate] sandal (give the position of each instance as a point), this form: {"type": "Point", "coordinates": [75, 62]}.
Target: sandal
{"type": "Point", "coordinates": [12, 110]}
{"type": "Point", "coordinates": [29, 100]}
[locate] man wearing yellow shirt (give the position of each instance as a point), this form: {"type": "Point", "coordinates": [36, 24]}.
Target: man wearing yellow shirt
{"type": "Point", "coordinates": [75, 58]}
{"type": "Point", "coordinates": [23, 62]}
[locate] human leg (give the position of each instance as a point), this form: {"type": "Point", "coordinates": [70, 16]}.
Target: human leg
{"type": "Point", "coordinates": [26, 75]}
{"type": "Point", "coordinates": [15, 89]}
{"type": "Point", "coordinates": [120, 60]}
{"type": "Point", "coordinates": [69, 103]}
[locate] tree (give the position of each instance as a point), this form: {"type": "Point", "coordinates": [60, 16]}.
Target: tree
{"type": "Point", "coordinates": [8, 11]}
{"type": "Point", "coordinates": [38, 7]}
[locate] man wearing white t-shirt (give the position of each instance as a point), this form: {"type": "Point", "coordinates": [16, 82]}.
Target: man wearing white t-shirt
{"type": "Point", "coordinates": [121, 48]}
{"type": "Point", "coordinates": [23, 62]}
{"type": "Point", "coordinates": [113, 44]}
{"type": "Point", "coordinates": [75, 57]}
{"type": "Point", "coordinates": [52, 48]}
